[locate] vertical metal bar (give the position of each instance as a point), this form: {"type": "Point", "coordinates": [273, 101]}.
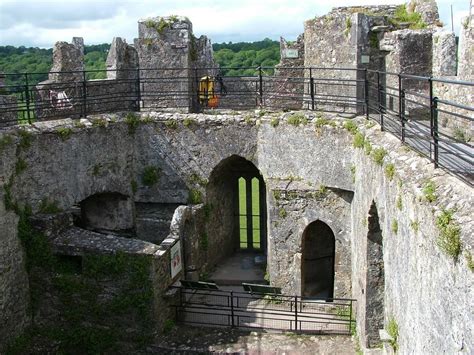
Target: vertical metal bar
{"type": "Point", "coordinates": [84, 94]}
{"type": "Point", "coordinates": [350, 317]}
{"type": "Point", "coordinates": [311, 88]}
{"type": "Point", "coordinates": [198, 97]}
{"type": "Point", "coordinates": [366, 93]}
{"type": "Point", "coordinates": [27, 98]}
{"type": "Point", "coordinates": [379, 91]}
{"type": "Point", "coordinates": [248, 188]}
{"type": "Point", "coordinates": [400, 114]}
{"type": "Point", "coordinates": [139, 91]}
{"type": "Point", "coordinates": [260, 87]}
{"type": "Point", "coordinates": [232, 308]}
{"type": "Point", "coordinates": [402, 99]}
{"type": "Point", "coordinates": [435, 131]}
{"type": "Point", "coordinates": [296, 313]}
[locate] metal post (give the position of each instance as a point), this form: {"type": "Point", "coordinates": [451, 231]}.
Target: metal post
{"type": "Point", "coordinates": [27, 98]}
{"type": "Point", "coordinates": [232, 308]}
{"type": "Point", "coordinates": [296, 313]}
{"type": "Point", "coordinates": [402, 99]}
{"type": "Point", "coordinates": [84, 94]}
{"type": "Point", "coordinates": [435, 131]}
{"type": "Point", "coordinates": [400, 114]}
{"type": "Point", "coordinates": [350, 317]}
{"type": "Point", "coordinates": [366, 92]}
{"type": "Point", "coordinates": [311, 88]}
{"type": "Point", "coordinates": [379, 93]}
{"type": "Point", "coordinates": [260, 88]}
{"type": "Point", "coordinates": [139, 92]}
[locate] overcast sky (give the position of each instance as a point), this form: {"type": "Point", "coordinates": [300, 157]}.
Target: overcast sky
{"type": "Point", "coordinates": [40, 23]}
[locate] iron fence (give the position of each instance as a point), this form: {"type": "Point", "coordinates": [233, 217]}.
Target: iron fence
{"type": "Point", "coordinates": [247, 311]}
{"type": "Point", "coordinates": [432, 116]}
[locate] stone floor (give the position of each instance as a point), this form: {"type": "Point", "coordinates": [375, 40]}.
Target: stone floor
{"type": "Point", "coordinates": [239, 268]}
{"type": "Point", "coordinates": [193, 340]}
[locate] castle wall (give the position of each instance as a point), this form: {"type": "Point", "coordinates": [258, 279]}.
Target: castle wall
{"type": "Point", "coordinates": [426, 292]}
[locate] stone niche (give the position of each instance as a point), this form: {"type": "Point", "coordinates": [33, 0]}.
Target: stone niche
{"type": "Point", "coordinates": [108, 212]}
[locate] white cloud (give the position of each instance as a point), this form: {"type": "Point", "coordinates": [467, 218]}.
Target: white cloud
{"type": "Point", "coordinates": [98, 21]}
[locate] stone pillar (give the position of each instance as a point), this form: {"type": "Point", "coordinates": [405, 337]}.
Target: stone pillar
{"type": "Point", "coordinates": [122, 60]}
{"type": "Point", "coordinates": [164, 50]}
{"type": "Point", "coordinates": [68, 58]}
{"type": "Point", "coordinates": [466, 49]}
{"type": "Point", "coordinates": [444, 54]}
{"type": "Point", "coordinates": [409, 52]}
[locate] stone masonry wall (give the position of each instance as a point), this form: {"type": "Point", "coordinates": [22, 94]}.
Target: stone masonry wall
{"type": "Point", "coordinates": [104, 154]}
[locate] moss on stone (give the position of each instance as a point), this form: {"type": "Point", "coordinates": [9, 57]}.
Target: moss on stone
{"type": "Point", "coordinates": [449, 239]}
{"type": "Point", "coordinates": [150, 176]}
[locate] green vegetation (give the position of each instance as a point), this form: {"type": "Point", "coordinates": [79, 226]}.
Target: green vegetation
{"type": "Point", "coordinates": [195, 196]}
{"type": "Point", "coordinates": [449, 240]}
{"type": "Point", "coordinates": [351, 126]}
{"type": "Point", "coordinates": [277, 194]}
{"type": "Point", "coordinates": [353, 172]}
{"type": "Point", "coordinates": [48, 206]}
{"type": "Point", "coordinates": [399, 202]}
{"type": "Point", "coordinates": [390, 171]}
{"type": "Point", "coordinates": [25, 139]}
{"type": "Point", "coordinates": [208, 208]}
{"type": "Point", "coordinates": [188, 122]}
{"type": "Point", "coordinates": [5, 141]}
{"type": "Point", "coordinates": [204, 242]}
{"type": "Point", "coordinates": [403, 16]}
{"type": "Point", "coordinates": [96, 170]}
{"type": "Point", "coordinates": [429, 191]}
{"type": "Point", "coordinates": [359, 140]}
{"type": "Point", "coordinates": [99, 122]}
{"type": "Point", "coordinates": [296, 119]}
{"type": "Point", "coordinates": [367, 147]}
{"type": "Point", "coordinates": [161, 25]}
{"type": "Point", "coordinates": [20, 166]}
{"type": "Point", "coordinates": [373, 40]}
{"type": "Point", "coordinates": [195, 179]}
{"type": "Point", "coordinates": [378, 155]}
{"type": "Point", "coordinates": [133, 121]}
{"type": "Point", "coordinates": [321, 121]}
{"type": "Point", "coordinates": [168, 326]}
{"type": "Point", "coordinates": [348, 26]}
{"type": "Point", "coordinates": [415, 225]}
{"type": "Point", "coordinates": [134, 186]}
{"type": "Point", "coordinates": [461, 135]}
{"type": "Point", "coordinates": [469, 260]}
{"type": "Point", "coordinates": [392, 330]}
{"type": "Point", "coordinates": [274, 122]}
{"type": "Point", "coordinates": [64, 133]}
{"type": "Point", "coordinates": [282, 212]}
{"type": "Point", "coordinates": [394, 226]}
{"type": "Point", "coordinates": [150, 176]}
{"type": "Point", "coordinates": [172, 124]}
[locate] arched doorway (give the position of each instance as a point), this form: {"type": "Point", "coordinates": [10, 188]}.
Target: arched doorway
{"type": "Point", "coordinates": [375, 279]}
{"type": "Point", "coordinates": [317, 261]}
{"type": "Point", "coordinates": [236, 190]}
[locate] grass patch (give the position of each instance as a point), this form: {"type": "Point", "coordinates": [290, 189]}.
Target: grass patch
{"type": "Point", "coordinates": [204, 242]}
{"type": "Point", "coordinates": [195, 196]}
{"type": "Point", "coordinates": [171, 124]}
{"type": "Point", "coordinates": [296, 119]}
{"type": "Point", "coordinates": [401, 15]}
{"type": "Point", "coordinates": [195, 179]}
{"type": "Point", "coordinates": [168, 326]}
{"type": "Point", "coordinates": [274, 122]}
{"type": "Point", "coordinates": [20, 166]}
{"type": "Point", "coordinates": [399, 202]}
{"type": "Point", "coordinates": [49, 207]}
{"type": "Point", "coordinates": [390, 171]}
{"type": "Point", "coordinates": [99, 122]}
{"type": "Point", "coordinates": [394, 226]}
{"type": "Point", "coordinates": [415, 225]}
{"type": "Point", "coordinates": [367, 147]}
{"type": "Point", "coordinates": [134, 186]}
{"type": "Point", "coordinates": [378, 155]}
{"type": "Point", "coordinates": [429, 191]}
{"type": "Point", "coordinates": [392, 330]}
{"type": "Point", "coordinates": [351, 126]}
{"type": "Point", "coordinates": [132, 121]}
{"type": "Point", "coordinates": [64, 133]}
{"type": "Point", "coordinates": [321, 122]}
{"type": "Point", "coordinates": [469, 260]}
{"type": "Point", "coordinates": [150, 176]}
{"type": "Point", "coordinates": [449, 240]}
{"type": "Point", "coordinates": [162, 24]}
{"type": "Point", "coordinates": [188, 122]}
{"type": "Point", "coordinates": [25, 139]}
{"type": "Point", "coordinates": [359, 140]}
{"type": "Point", "coordinates": [282, 212]}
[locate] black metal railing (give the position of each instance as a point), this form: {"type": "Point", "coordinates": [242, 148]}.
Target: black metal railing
{"type": "Point", "coordinates": [247, 311]}
{"type": "Point", "coordinates": [433, 116]}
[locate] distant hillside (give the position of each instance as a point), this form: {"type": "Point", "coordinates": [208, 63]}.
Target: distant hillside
{"type": "Point", "coordinates": [36, 60]}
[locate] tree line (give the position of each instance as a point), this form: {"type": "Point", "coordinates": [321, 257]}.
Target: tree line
{"type": "Point", "coordinates": [237, 56]}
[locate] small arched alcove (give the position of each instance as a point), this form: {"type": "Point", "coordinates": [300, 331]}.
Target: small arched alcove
{"type": "Point", "coordinates": [236, 191]}
{"type": "Point", "coordinates": [374, 319]}
{"type": "Point", "coordinates": [317, 261]}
